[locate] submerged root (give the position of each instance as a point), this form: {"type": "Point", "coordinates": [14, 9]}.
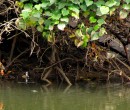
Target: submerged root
{"type": "Point", "coordinates": [46, 75]}
{"type": "Point", "coordinates": [55, 66]}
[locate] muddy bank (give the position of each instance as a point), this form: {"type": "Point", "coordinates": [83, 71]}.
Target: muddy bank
{"type": "Point", "coordinates": [65, 63]}
{"type": "Point", "coordinates": [26, 55]}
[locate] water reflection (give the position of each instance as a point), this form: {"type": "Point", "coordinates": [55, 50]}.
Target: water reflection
{"type": "Point", "coordinates": [37, 97]}
{"type": "Point", "coordinates": [1, 106]}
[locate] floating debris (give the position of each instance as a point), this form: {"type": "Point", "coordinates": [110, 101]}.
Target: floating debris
{"type": "Point", "coordinates": [34, 91]}
{"type": "Point", "coordinates": [26, 77]}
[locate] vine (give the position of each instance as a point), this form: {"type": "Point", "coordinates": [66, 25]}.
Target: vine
{"type": "Point", "coordinates": [50, 15]}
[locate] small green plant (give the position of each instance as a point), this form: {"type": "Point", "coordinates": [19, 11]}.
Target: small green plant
{"type": "Point", "coordinates": [48, 15]}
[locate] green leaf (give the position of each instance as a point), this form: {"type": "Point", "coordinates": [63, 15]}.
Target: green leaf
{"type": "Point", "coordinates": [103, 10]}
{"type": "Point", "coordinates": [41, 21]}
{"type": "Point", "coordinates": [44, 34]}
{"type": "Point", "coordinates": [65, 19]}
{"type": "Point", "coordinates": [23, 0]}
{"type": "Point", "coordinates": [78, 33]}
{"type": "Point", "coordinates": [74, 9]}
{"type": "Point", "coordinates": [65, 12]}
{"type": "Point", "coordinates": [75, 1]}
{"type": "Point", "coordinates": [21, 24]}
{"type": "Point", "coordinates": [92, 19]}
{"type": "Point", "coordinates": [56, 17]}
{"type": "Point", "coordinates": [126, 6]}
{"type": "Point", "coordinates": [85, 39]}
{"type": "Point", "coordinates": [86, 13]}
{"type": "Point", "coordinates": [38, 6]}
{"type": "Point", "coordinates": [32, 20]}
{"type": "Point", "coordinates": [51, 27]}
{"type": "Point", "coordinates": [123, 14]}
{"type": "Point", "coordinates": [52, 1]}
{"type": "Point", "coordinates": [94, 36]}
{"type": "Point", "coordinates": [50, 38]}
{"type": "Point", "coordinates": [19, 4]}
{"type": "Point", "coordinates": [28, 6]}
{"type": "Point", "coordinates": [56, 22]}
{"type": "Point", "coordinates": [118, 2]}
{"type": "Point", "coordinates": [44, 4]}
{"type": "Point", "coordinates": [61, 5]}
{"type": "Point", "coordinates": [47, 22]}
{"type": "Point", "coordinates": [89, 30]}
{"type": "Point", "coordinates": [101, 21]}
{"type": "Point", "coordinates": [36, 1]}
{"type": "Point", "coordinates": [25, 13]}
{"type": "Point", "coordinates": [96, 27]}
{"type": "Point", "coordinates": [99, 3]}
{"type": "Point", "coordinates": [98, 13]}
{"type": "Point", "coordinates": [127, 1]}
{"type": "Point", "coordinates": [110, 3]}
{"type": "Point", "coordinates": [47, 13]}
{"type": "Point", "coordinates": [83, 7]}
{"type": "Point", "coordinates": [102, 32]}
{"type": "Point", "coordinates": [40, 28]}
{"type": "Point", "coordinates": [75, 15]}
{"type": "Point", "coordinates": [36, 14]}
{"type": "Point", "coordinates": [88, 2]}
{"type": "Point", "coordinates": [112, 10]}
{"type": "Point", "coordinates": [61, 26]}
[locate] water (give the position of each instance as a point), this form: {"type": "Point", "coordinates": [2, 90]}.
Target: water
{"type": "Point", "coordinates": [38, 97]}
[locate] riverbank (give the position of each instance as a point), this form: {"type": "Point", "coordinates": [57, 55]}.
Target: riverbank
{"type": "Point", "coordinates": [89, 47]}
{"type": "Point", "coordinates": [75, 67]}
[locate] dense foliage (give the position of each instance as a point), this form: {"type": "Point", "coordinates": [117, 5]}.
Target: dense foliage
{"type": "Point", "coordinates": [85, 16]}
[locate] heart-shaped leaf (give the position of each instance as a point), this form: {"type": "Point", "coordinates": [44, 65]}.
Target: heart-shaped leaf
{"type": "Point", "coordinates": [99, 3]}
{"type": "Point", "coordinates": [61, 26]}
{"type": "Point", "coordinates": [96, 27]}
{"type": "Point", "coordinates": [127, 1]}
{"type": "Point", "coordinates": [101, 21]}
{"type": "Point", "coordinates": [74, 9]}
{"type": "Point", "coordinates": [94, 36]}
{"type": "Point", "coordinates": [65, 12]}
{"type": "Point", "coordinates": [38, 6]}
{"type": "Point", "coordinates": [104, 10]}
{"type": "Point", "coordinates": [88, 2]}
{"type": "Point", "coordinates": [102, 31]}
{"type": "Point", "coordinates": [65, 19]}
{"type": "Point", "coordinates": [40, 28]}
{"type": "Point", "coordinates": [111, 3]}
{"type": "Point", "coordinates": [35, 0]}
{"type": "Point", "coordinates": [92, 19]}
{"type": "Point", "coordinates": [126, 6]}
{"type": "Point", "coordinates": [123, 14]}
{"type": "Point", "coordinates": [52, 1]}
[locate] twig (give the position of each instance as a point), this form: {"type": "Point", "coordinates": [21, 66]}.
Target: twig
{"type": "Point", "coordinates": [14, 35]}
{"type": "Point", "coordinates": [121, 72]}
{"type": "Point", "coordinates": [63, 74]}
{"type": "Point", "coordinates": [128, 67]}
{"type": "Point", "coordinates": [52, 64]}
{"type": "Point", "coordinates": [12, 49]}
{"type": "Point", "coordinates": [10, 63]}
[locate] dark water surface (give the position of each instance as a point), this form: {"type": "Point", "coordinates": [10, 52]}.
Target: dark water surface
{"type": "Point", "coordinates": [38, 97]}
